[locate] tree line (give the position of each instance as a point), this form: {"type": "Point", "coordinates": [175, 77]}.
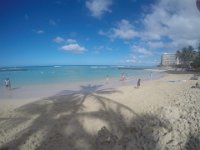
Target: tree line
{"type": "Point", "coordinates": [188, 57]}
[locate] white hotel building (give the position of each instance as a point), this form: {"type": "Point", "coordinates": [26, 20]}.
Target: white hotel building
{"type": "Point", "coordinates": [169, 59]}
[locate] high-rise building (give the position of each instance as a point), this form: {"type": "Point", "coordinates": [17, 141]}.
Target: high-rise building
{"type": "Point", "coordinates": [169, 59]}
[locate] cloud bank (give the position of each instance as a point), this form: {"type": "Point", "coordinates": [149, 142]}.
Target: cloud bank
{"type": "Point", "coordinates": [171, 24]}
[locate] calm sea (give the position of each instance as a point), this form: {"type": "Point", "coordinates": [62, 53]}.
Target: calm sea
{"type": "Point", "coordinates": [26, 76]}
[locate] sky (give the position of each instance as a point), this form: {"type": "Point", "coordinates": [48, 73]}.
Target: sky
{"type": "Point", "coordinates": [95, 32]}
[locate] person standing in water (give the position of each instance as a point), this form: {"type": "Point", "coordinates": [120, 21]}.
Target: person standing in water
{"type": "Point", "coordinates": [150, 75]}
{"type": "Point", "coordinates": [107, 79]}
{"type": "Point", "coordinates": [7, 83]}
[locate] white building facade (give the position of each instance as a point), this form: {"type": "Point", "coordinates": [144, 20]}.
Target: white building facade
{"type": "Point", "coordinates": [169, 59]}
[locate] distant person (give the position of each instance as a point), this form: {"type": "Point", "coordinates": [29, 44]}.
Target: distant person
{"type": "Point", "coordinates": [107, 79]}
{"type": "Point", "coordinates": [196, 86]}
{"type": "Point", "coordinates": [151, 76]}
{"type": "Point", "coordinates": [138, 83]}
{"type": "Point", "coordinates": [7, 83]}
{"type": "Point", "coordinates": [123, 77]}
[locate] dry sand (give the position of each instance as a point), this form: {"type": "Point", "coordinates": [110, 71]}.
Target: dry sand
{"type": "Point", "coordinates": [161, 114]}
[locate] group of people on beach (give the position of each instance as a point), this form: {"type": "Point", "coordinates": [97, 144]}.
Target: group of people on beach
{"type": "Point", "coordinates": [123, 77]}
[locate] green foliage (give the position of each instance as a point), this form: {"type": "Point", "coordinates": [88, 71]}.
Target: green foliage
{"type": "Point", "coordinates": [188, 57]}
{"type": "Point", "coordinates": [187, 54]}
{"type": "Point", "coordinates": [196, 62]}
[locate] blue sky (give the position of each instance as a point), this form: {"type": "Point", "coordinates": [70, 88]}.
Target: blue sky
{"type": "Point", "coordinates": [99, 32]}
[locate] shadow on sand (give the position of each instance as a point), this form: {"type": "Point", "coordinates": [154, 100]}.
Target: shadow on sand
{"type": "Point", "coordinates": [80, 120]}
{"type": "Point", "coordinates": [193, 142]}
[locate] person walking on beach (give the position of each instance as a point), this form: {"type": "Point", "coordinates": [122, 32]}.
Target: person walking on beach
{"type": "Point", "coordinates": [7, 83]}
{"type": "Point", "coordinates": [138, 83]}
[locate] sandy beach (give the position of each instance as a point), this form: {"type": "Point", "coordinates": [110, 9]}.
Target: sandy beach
{"type": "Point", "coordinates": [161, 114]}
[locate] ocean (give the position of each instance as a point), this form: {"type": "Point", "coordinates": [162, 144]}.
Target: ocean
{"type": "Point", "coordinates": [34, 75]}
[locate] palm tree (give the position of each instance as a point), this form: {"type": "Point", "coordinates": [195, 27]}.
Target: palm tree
{"type": "Point", "coordinates": [188, 57]}
{"type": "Point", "coordinates": [196, 61]}
{"type": "Point", "coordinates": [199, 48]}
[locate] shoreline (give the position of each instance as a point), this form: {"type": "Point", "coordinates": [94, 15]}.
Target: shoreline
{"type": "Point", "coordinates": [44, 90]}
{"type": "Point", "coordinates": [65, 74]}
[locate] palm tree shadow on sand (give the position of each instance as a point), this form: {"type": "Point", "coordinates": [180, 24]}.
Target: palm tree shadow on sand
{"type": "Point", "coordinates": [193, 142]}
{"type": "Point", "coordinates": [85, 119]}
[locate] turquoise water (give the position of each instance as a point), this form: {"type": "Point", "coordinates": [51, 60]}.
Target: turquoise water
{"type": "Point", "coordinates": [23, 76]}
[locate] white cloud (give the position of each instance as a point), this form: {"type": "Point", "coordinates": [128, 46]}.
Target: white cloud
{"type": "Point", "coordinates": [70, 45]}
{"type": "Point", "coordinates": [98, 7]}
{"type": "Point", "coordinates": [100, 32]}
{"type": "Point", "coordinates": [139, 60]}
{"type": "Point", "coordinates": [75, 47]}
{"type": "Point", "coordinates": [180, 43]}
{"type": "Point", "coordinates": [71, 41]}
{"type": "Point", "coordinates": [155, 44]}
{"type": "Point", "coordinates": [97, 49]}
{"type": "Point", "coordinates": [141, 50]}
{"type": "Point", "coordinates": [175, 22]}
{"type": "Point", "coordinates": [179, 20]}
{"type": "Point", "coordinates": [124, 30]}
{"type": "Point", "coordinates": [131, 61]}
{"type": "Point", "coordinates": [58, 39]}
{"type": "Point", "coordinates": [38, 31]}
